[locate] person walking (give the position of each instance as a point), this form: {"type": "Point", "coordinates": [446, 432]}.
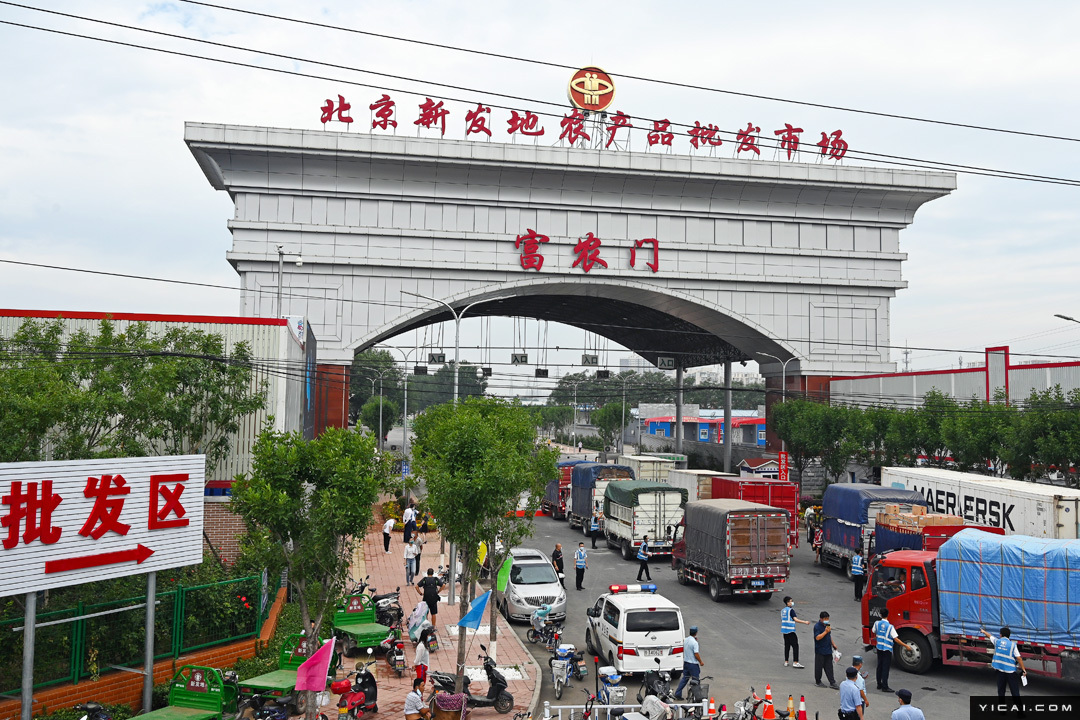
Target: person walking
{"type": "Point", "coordinates": [423, 657]}
{"type": "Point", "coordinates": [408, 519]}
{"type": "Point", "coordinates": [557, 563]}
{"type": "Point", "coordinates": [643, 559]}
{"type": "Point", "coordinates": [787, 628]}
{"type": "Point", "coordinates": [884, 634]}
{"type": "Point", "coordinates": [581, 564]}
{"type": "Point", "coordinates": [823, 651]}
{"type": "Point", "coordinates": [418, 542]}
{"type": "Point", "coordinates": [424, 527]}
{"type": "Point", "coordinates": [410, 562]}
{"type": "Point", "coordinates": [579, 446]}
{"type": "Point", "coordinates": [387, 528]}
{"type": "Point", "coordinates": [906, 711]}
{"type": "Point", "coordinates": [428, 589]}
{"type": "Point", "coordinates": [692, 663]}
{"type": "Point", "coordinates": [858, 572]}
{"type": "Point", "coordinates": [860, 680]}
{"type": "Point", "coordinates": [1006, 659]}
{"type": "Point", "coordinates": [850, 701]}
{"type": "Point", "coordinates": [594, 527]}
{"type": "Point", "coordinates": [819, 539]}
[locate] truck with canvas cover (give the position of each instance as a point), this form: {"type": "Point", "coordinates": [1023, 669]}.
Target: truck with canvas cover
{"type": "Point", "coordinates": [734, 547]}
{"type": "Point", "coordinates": [282, 682]}
{"type": "Point", "coordinates": [197, 693]}
{"type": "Point", "coordinates": [850, 514]}
{"type": "Point", "coordinates": [766, 491]}
{"type": "Point", "coordinates": [1018, 508]}
{"type": "Point", "coordinates": [355, 626]}
{"type": "Point", "coordinates": [587, 484]}
{"type": "Point", "coordinates": [940, 601]}
{"type": "Point", "coordinates": [557, 493]}
{"type": "Point", "coordinates": [636, 508]}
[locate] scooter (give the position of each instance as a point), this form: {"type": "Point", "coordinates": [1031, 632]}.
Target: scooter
{"type": "Point", "coordinates": [395, 651]}
{"type": "Point", "coordinates": [658, 683]}
{"type": "Point", "coordinates": [496, 697]}
{"type": "Point", "coordinates": [610, 691]}
{"type": "Point", "coordinates": [359, 695]}
{"type": "Point", "coordinates": [566, 665]}
{"type": "Point", "coordinates": [93, 711]}
{"type": "Point", "coordinates": [264, 707]}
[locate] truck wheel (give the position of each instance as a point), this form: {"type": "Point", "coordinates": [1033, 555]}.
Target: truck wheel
{"type": "Point", "coordinates": [680, 573]}
{"type": "Point", "coordinates": [610, 543]}
{"type": "Point", "coordinates": [714, 588]}
{"type": "Point", "coordinates": [626, 550]}
{"type": "Point", "coordinates": [589, 647]}
{"type": "Point", "coordinates": [846, 567]}
{"type": "Point", "coordinates": [917, 660]}
{"type": "Point", "coordinates": [584, 529]}
{"type": "Point", "coordinates": [299, 707]}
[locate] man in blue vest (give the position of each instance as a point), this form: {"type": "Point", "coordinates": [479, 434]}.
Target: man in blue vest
{"type": "Point", "coordinates": [858, 572]}
{"type": "Point", "coordinates": [884, 634]}
{"type": "Point", "coordinates": [581, 561]}
{"type": "Point", "coordinates": [643, 559]}
{"type": "Point", "coordinates": [594, 527]}
{"type": "Point", "coordinates": [1006, 659]}
{"type": "Point", "coordinates": [787, 628]}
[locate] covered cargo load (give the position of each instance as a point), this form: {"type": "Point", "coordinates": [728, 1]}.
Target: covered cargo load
{"type": "Point", "coordinates": [766, 491]}
{"type": "Point", "coordinates": [889, 535]}
{"type": "Point", "coordinates": [1031, 585]}
{"type": "Point", "coordinates": [1022, 508]}
{"type": "Point", "coordinates": [557, 492]}
{"type": "Point", "coordinates": [698, 483]}
{"type": "Point", "coordinates": [851, 501]}
{"type": "Point", "coordinates": [628, 492]}
{"type": "Point", "coordinates": [634, 509]}
{"type": "Point", "coordinates": [588, 482]}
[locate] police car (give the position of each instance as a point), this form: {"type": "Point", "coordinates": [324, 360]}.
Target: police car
{"type": "Point", "coordinates": [631, 626]}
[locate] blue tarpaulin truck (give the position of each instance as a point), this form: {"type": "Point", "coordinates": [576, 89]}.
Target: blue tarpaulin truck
{"type": "Point", "coordinates": [850, 511]}
{"type": "Point", "coordinates": [587, 485]}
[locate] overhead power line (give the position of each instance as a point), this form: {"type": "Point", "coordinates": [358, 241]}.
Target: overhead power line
{"type": "Point", "coordinates": [624, 76]}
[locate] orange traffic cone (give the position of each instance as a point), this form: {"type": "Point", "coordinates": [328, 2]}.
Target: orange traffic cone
{"type": "Point", "coordinates": [712, 707]}
{"type": "Point", "coordinates": [770, 711]}
{"type": "Point", "coordinates": [791, 706]}
{"type": "Point", "coordinates": [802, 708]}
{"type": "Point", "coordinates": [768, 693]}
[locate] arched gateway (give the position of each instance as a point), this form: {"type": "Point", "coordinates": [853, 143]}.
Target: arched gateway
{"type": "Point", "coordinates": [699, 259]}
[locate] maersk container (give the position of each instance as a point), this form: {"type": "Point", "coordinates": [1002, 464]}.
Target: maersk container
{"type": "Point", "coordinates": [1018, 508]}
{"type": "Point", "coordinates": [588, 482]}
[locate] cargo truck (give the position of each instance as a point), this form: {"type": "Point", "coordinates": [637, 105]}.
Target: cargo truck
{"type": "Point", "coordinates": [587, 484]}
{"type": "Point", "coordinates": [557, 493]}
{"type": "Point", "coordinates": [648, 467]}
{"type": "Point", "coordinates": [733, 547]}
{"type": "Point", "coordinates": [1021, 508]}
{"type": "Point", "coordinates": [634, 509]}
{"type": "Point", "coordinates": [698, 483]}
{"type": "Point", "coordinates": [775, 493]}
{"type": "Point", "coordinates": [940, 601]}
{"type": "Point", "coordinates": [850, 513]}
{"type": "Point", "coordinates": [892, 535]}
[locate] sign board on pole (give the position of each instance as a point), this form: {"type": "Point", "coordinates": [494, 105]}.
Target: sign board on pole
{"type": "Point", "coordinates": [665, 363]}
{"type": "Point", "coordinates": [784, 477]}
{"type": "Point", "coordinates": [70, 522]}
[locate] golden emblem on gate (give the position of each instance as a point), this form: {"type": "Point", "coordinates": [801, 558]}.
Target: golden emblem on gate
{"type": "Point", "coordinates": [591, 89]}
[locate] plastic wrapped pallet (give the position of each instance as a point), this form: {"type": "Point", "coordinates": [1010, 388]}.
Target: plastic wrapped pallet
{"type": "Point", "coordinates": [1030, 584]}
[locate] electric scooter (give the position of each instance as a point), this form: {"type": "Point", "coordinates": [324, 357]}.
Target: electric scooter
{"type": "Point", "coordinates": [359, 695]}
{"type": "Point", "coordinates": [658, 683]}
{"type": "Point", "coordinates": [496, 697]}
{"type": "Point", "coordinates": [93, 711]}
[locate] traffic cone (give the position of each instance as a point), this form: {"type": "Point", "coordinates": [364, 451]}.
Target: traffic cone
{"type": "Point", "coordinates": [770, 711]}
{"type": "Point", "coordinates": [791, 706]}
{"type": "Point", "coordinates": [712, 707]}
{"type": "Point", "coordinates": [768, 693]}
{"type": "Point", "coordinates": [802, 708]}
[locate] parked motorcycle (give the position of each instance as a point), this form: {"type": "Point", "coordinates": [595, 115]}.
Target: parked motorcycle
{"type": "Point", "coordinates": [656, 682]}
{"type": "Point", "coordinates": [395, 651]}
{"type": "Point", "coordinates": [610, 691]}
{"type": "Point", "coordinates": [264, 707]}
{"type": "Point", "coordinates": [93, 711]}
{"type": "Point", "coordinates": [566, 665]}
{"type": "Point", "coordinates": [496, 697]}
{"type": "Point", "coordinates": [748, 709]}
{"type": "Point", "coordinates": [360, 694]}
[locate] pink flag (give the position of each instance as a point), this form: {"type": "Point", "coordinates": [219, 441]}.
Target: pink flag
{"type": "Point", "coordinates": [311, 675]}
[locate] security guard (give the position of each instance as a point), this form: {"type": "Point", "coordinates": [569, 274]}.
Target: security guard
{"type": "Point", "coordinates": [1006, 658]}
{"type": "Point", "coordinates": [581, 561]}
{"type": "Point", "coordinates": [643, 559]}
{"type": "Point", "coordinates": [858, 572]}
{"type": "Point", "coordinates": [594, 527]}
{"type": "Point", "coordinates": [885, 635]}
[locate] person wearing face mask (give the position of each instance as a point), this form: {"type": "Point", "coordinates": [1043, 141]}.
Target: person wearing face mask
{"type": "Point", "coordinates": [787, 627]}
{"type": "Point", "coordinates": [823, 651]}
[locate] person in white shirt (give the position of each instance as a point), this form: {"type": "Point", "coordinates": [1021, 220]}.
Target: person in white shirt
{"type": "Point", "coordinates": [410, 562]}
{"type": "Point", "coordinates": [387, 528]}
{"type": "Point", "coordinates": [408, 519]}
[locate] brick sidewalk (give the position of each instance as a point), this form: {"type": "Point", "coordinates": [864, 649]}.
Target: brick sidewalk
{"type": "Point", "coordinates": [387, 572]}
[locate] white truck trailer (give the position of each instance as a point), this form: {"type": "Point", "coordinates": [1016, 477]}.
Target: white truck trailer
{"type": "Point", "coordinates": [648, 467]}
{"type": "Point", "coordinates": [634, 509]}
{"type": "Point", "coordinates": [1018, 508]}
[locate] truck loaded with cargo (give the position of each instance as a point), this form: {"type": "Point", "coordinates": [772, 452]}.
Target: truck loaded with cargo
{"type": "Point", "coordinates": [850, 513]}
{"type": "Point", "coordinates": [775, 493]}
{"type": "Point", "coordinates": [734, 547]}
{"type": "Point", "coordinates": [698, 483]}
{"type": "Point", "coordinates": [939, 602]}
{"type": "Point", "coordinates": [634, 509]}
{"type": "Point", "coordinates": [556, 500]}
{"type": "Point", "coordinates": [1021, 508]}
{"type": "Point", "coordinates": [587, 484]}
{"type": "Point", "coordinates": [918, 531]}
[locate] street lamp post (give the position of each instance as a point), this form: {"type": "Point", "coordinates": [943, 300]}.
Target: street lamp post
{"type": "Point", "coordinates": [622, 429]}
{"type": "Point", "coordinates": [380, 376]}
{"type": "Point", "coordinates": [1066, 317]}
{"type": "Point", "coordinates": [280, 273]}
{"type": "Point", "coordinates": [783, 388]}
{"type": "Point", "coordinates": [405, 411]}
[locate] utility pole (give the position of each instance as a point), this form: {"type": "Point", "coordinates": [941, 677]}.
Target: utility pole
{"type": "Point", "coordinates": [907, 355]}
{"type": "Point", "coordinates": [783, 384]}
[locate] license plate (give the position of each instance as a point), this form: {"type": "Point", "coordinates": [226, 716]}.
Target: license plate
{"type": "Point", "coordinates": [757, 583]}
{"type": "Point", "coordinates": [654, 652]}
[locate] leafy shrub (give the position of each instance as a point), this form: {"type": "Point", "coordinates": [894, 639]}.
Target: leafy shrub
{"type": "Point", "coordinates": [118, 712]}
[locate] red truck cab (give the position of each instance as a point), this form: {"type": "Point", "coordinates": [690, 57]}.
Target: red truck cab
{"type": "Point", "coordinates": [905, 582]}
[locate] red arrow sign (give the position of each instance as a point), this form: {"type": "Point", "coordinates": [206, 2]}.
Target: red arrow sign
{"type": "Point", "coordinates": [138, 554]}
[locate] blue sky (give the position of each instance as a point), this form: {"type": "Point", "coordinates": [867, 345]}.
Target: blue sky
{"type": "Point", "coordinates": [94, 172]}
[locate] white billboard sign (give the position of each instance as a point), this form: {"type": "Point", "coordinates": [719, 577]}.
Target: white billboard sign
{"type": "Point", "coordinates": [70, 522]}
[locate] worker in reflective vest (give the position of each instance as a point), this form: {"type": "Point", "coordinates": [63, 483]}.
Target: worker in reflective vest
{"type": "Point", "coordinates": [581, 561]}
{"type": "Point", "coordinates": [643, 559]}
{"type": "Point", "coordinates": [858, 572]}
{"type": "Point", "coordinates": [1006, 659]}
{"type": "Point", "coordinates": [594, 527]}
{"type": "Point", "coordinates": [885, 635]}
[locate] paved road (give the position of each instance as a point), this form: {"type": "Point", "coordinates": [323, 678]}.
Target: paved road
{"type": "Point", "coordinates": [741, 643]}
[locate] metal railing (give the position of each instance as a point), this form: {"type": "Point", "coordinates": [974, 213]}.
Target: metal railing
{"type": "Point", "coordinates": [574, 712]}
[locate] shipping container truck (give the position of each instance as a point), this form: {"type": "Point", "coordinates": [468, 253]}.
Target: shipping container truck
{"type": "Point", "coordinates": [1021, 508]}
{"type": "Point", "coordinates": [648, 467]}
{"type": "Point", "coordinates": [587, 484]}
{"type": "Point", "coordinates": [698, 483]}
{"type": "Point", "coordinates": [775, 493]}
{"type": "Point", "coordinates": [940, 601]}
{"type": "Point", "coordinates": [849, 512]}
{"type": "Point", "coordinates": [733, 547]}
{"type": "Point", "coordinates": [557, 493]}
{"type": "Point", "coordinates": [636, 508]}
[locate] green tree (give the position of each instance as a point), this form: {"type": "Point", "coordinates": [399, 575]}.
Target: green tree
{"type": "Point", "coordinates": [797, 422]}
{"type": "Point", "coordinates": [367, 366]}
{"type": "Point", "coordinates": [608, 422]}
{"type": "Point", "coordinates": [556, 417]}
{"type": "Point", "coordinates": [480, 458]}
{"type": "Point", "coordinates": [35, 389]}
{"type": "Point", "coordinates": [428, 390]}
{"type": "Point", "coordinates": [307, 505]}
{"type": "Point", "coordinates": [841, 432]}
{"type": "Point", "coordinates": [369, 415]}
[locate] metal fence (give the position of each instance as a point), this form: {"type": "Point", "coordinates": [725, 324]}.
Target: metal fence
{"type": "Point", "coordinates": [694, 711]}
{"type": "Point", "coordinates": [95, 638]}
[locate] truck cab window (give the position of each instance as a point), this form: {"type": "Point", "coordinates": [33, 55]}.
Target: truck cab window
{"type": "Point", "coordinates": [677, 536]}
{"type": "Point", "coordinates": [889, 582]}
{"type": "Point", "coordinates": [918, 578]}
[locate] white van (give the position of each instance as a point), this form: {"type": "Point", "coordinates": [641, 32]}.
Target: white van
{"type": "Point", "coordinates": [630, 626]}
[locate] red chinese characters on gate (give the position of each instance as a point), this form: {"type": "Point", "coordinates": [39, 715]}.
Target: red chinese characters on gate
{"type": "Point", "coordinates": [587, 250]}
{"type": "Point", "coordinates": [28, 508]}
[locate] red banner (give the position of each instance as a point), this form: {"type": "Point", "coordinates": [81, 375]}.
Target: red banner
{"type": "Point", "coordinates": [784, 477]}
